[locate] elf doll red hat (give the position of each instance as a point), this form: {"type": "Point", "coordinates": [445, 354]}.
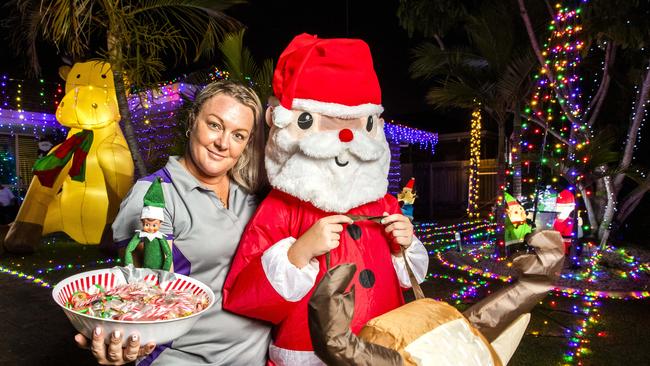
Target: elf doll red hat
{"type": "Point", "coordinates": [410, 184]}
{"type": "Point", "coordinates": [334, 77]}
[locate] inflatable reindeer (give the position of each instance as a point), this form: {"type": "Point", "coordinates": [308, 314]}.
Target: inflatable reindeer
{"type": "Point", "coordinates": [78, 186]}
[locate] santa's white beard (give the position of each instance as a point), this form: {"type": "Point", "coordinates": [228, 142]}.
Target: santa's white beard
{"type": "Point", "coordinates": [309, 168]}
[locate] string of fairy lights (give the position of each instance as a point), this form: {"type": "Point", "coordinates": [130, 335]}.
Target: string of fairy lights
{"type": "Point", "coordinates": [26, 106]}
{"type": "Point", "coordinates": [479, 235]}
{"type": "Point", "coordinates": [474, 163]}
{"type": "Point", "coordinates": [556, 105]}
{"type": "Point", "coordinates": [158, 117]}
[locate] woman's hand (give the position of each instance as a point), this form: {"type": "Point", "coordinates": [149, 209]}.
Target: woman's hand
{"type": "Point", "coordinates": [322, 237]}
{"type": "Point", "coordinates": [400, 230]}
{"type": "Point", "coordinates": [114, 354]}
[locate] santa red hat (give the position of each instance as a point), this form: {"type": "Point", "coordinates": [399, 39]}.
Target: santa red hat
{"type": "Point", "coordinates": [565, 199]}
{"type": "Point", "coordinates": [334, 77]}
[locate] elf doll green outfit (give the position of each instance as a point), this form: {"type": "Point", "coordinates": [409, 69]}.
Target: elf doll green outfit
{"type": "Point", "coordinates": [157, 253]}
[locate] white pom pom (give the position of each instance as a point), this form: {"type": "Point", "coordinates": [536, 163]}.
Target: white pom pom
{"type": "Point", "coordinates": [281, 116]}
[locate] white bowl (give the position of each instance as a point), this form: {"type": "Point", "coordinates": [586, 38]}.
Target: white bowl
{"type": "Point", "coordinates": [158, 331]}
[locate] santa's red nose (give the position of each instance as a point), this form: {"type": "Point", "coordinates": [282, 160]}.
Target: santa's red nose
{"type": "Point", "coordinates": [345, 135]}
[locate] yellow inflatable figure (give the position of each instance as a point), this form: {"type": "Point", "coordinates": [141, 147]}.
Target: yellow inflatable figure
{"type": "Point", "coordinates": [78, 187]}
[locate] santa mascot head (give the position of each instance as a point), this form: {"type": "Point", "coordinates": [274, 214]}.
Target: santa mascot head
{"type": "Point", "coordinates": [327, 144]}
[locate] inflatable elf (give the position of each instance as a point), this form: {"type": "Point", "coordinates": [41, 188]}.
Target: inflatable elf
{"type": "Point", "coordinates": [516, 226]}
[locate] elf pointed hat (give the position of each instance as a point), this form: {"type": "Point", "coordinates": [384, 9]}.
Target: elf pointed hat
{"type": "Point", "coordinates": [510, 201]}
{"type": "Point", "coordinates": [410, 184]}
{"type": "Point", "coordinates": [154, 202]}
{"type": "Point", "coordinates": [334, 77]}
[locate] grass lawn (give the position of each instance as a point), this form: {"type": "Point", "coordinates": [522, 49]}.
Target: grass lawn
{"type": "Point", "coordinates": [621, 336]}
{"type": "Point", "coordinates": [57, 258]}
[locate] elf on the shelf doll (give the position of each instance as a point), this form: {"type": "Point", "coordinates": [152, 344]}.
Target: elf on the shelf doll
{"type": "Point", "coordinates": [327, 159]}
{"type": "Point", "coordinates": [157, 252]}
{"type": "Point", "coordinates": [564, 206]}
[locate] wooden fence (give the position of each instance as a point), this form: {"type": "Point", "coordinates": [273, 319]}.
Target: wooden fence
{"type": "Point", "coordinates": [442, 187]}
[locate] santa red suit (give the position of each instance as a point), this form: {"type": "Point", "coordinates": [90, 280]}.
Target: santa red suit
{"type": "Point", "coordinates": [327, 154]}
{"type": "Point", "coordinates": [565, 205]}
{"type": "Point", "coordinates": [279, 220]}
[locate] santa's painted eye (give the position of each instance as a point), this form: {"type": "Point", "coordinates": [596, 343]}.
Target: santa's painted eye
{"type": "Point", "coordinates": [305, 121]}
{"type": "Point", "coordinates": [369, 124]}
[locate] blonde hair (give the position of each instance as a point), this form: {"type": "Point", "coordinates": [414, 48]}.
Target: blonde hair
{"type": "Point", "coordinates": [248, 171]}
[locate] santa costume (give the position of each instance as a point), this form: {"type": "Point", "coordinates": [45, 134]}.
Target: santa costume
{"type": "Point", "coordinates": [320, 165]}
{"type": "Point", "coordinates": [564, 206]}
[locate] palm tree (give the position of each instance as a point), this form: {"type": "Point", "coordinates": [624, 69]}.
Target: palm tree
{"type": "Point", "coordinates": [241, 65]}
{"type": "Point", "coordinates": [491, 67]}
{"type": "Point", "coordinates": [133, 36]}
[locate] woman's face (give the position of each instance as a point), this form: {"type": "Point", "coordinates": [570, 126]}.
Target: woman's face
{"type": "Point", "coordinates": [219, 135]}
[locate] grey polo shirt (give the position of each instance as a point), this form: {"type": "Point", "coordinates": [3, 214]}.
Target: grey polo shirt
{"type": "Point", "coordinates": [205, 236]}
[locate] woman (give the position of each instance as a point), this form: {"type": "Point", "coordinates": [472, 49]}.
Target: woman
{"type": "Point", "coordinates": [209, 199]}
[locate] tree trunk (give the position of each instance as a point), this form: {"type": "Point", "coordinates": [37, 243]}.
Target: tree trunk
{"type": "Point", "coordinates": [516, 154]}
{"type": "Point", "coordinates": [546, 128]}
{"type": "Point", "coordinates": [639, 113]}
{"type": "Point", "coordinates": [540, 58]}
{"type": "Point", "coordinates": [123, 105]}
{"type": "Point", "coordinates": [610, 208]}
{"type": "Point", "coordinates": [500, 210]}
{"type": "Point", "coordinates": [591, 215]}
{"type": "Point", "coordinates": [125, 122]}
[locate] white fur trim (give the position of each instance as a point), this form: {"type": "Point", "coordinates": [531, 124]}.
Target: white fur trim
{"type": "Point", "coordinates": [290, 282]}
{"type": "Point", "coordinates": [288, 357]}
{"type": "Point", "coordinates": [418, 260]}
{"type": "Point", "coordinates": [564, 206]}
{"type": "Point", "coordinates": [335, 109]}
{"type": "Point", "coordinates": [281, 116]}
{"type": "Point", "coordinates": [154, 213]}
{"type": "Point", "coordinates": [320, 181]}
{"type": "Point", "coordinates": [151, 236]}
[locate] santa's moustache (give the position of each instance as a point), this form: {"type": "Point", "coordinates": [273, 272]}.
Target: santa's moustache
{"type": "Point", "coordinates": [324, 145]}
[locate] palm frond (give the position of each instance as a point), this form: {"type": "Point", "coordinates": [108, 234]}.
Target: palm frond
{"type": "Point", "coordinates": [453, 93]}
{"type": "Point", "coordinates": [515, 80]}
{"type": "Point", "coordinates": [201, 22]}
{"type": "Point", "coordinates": [242, 66]}
{"type": "Point", "coordinates": [264, 80]}
{"type": "Point", "coordinates": [431, 18]}
{"type": "Point", "coordinates": [430, 61]}
{"type": "Point", "coordinates": [231, 47]}
{"type": "Point", "coordinates": [491, 34]}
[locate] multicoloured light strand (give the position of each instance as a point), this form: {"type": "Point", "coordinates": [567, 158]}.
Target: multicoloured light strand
{"type": "Point", "coordinates": [556, 105]}
{"type": "Point", "coordinates": [474, 163]}
{"type": "Point", "coordinates": [437, 238]}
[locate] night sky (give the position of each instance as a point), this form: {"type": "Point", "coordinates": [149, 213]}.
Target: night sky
{"type": "Point", "coordinates": [272, 24]}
